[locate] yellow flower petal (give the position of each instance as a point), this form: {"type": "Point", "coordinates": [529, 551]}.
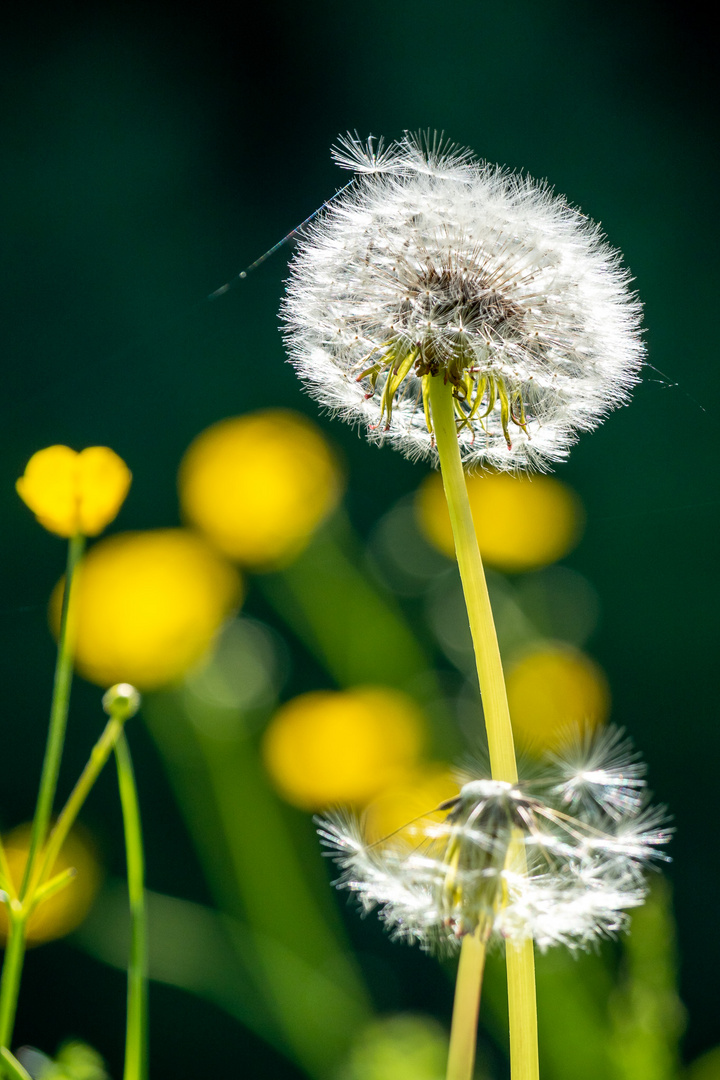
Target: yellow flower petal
{"type": "Point", "coordinates": [521, 522]}
{"type": "Point", "coordinates": [73, 493]}
{"type": "Point", "coordinates": [259, 485]}
{"type": "Point", "coordinates": [147, 606]}
{"type": "Point", "coordinates": [327, 747]}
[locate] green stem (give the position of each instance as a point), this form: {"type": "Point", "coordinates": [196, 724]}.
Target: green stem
{"type": "Point", "coordinates": [472, 575]}
{"type": "Point", "coordinates": [13, 1068]}
{"type": "Point", "coordinates": [520, 960]}
{"type": "Point", "coordinates": [98, 756]}
{"type": "Point", "coordinates": [521, 969]}
{"type": "Point", "coordinates": [136, 1065]}
{"type": "Point", "coordinates": [58, 717]}
{"type": "Point", "coordinates": [11, 972]}
{"type": "Point", "coordinates": [463, 1033]}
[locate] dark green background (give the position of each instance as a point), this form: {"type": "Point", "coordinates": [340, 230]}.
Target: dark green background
{"type": "Point", "coordinates": [148, 153]}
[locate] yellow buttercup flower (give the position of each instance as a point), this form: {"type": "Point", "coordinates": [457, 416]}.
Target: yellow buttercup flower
{"type": "Point", "coordinates": [147, 606]}
{"type": "Point", "coordinates": [342, 747]}
{"type": "Point", "coordinates": [521, 522]}
{"type": "Point", "coordinates": [552, 689]}
{"type": "Point", "coordinates": [72, 492]}
{"type": "Point", "coordinates": [259, 485]}
{"type": "Point", "coordinates": [66, 909]}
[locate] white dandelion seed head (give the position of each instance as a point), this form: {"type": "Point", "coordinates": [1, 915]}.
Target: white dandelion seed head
{"type": "Point", "coordinates": [507, 862]}
{"type": "Point", "coordinates": [434, 264]}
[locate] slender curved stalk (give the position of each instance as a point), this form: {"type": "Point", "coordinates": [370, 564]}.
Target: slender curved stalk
{"type": "Point", "coordinates": [520, 960]}
{"type": "Point", "coordinates": [15, 950]}
{"type": "Point", "coordinates": [58, 716]}
{"type": "Point", "coordinates": [136, 1064]}
{"type": "Point", "coordinates": [12, 1066]}
{"type": "Point", "coordinates": [461, 1057]}
{"type": "Point", "coordinates": [66, 819]}
{"type": "Point", "coordinates": [472, 575]}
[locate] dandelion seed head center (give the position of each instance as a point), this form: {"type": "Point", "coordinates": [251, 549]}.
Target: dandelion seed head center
{"type": "Point", "coordinates": [479, 790]}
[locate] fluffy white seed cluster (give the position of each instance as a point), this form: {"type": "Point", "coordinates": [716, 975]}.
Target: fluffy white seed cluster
{"type": "Point", "coordinates": [432, 264]}
{"type": "Point", "coordinates": [558, 859]}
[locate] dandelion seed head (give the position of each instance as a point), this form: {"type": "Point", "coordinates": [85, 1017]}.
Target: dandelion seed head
{"type": "Point", "coordinates": [434, 264]}
{"type": "Point", "coordinates": [509, 861]}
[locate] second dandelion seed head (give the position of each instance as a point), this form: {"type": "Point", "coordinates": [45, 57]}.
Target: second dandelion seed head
{"type": "Point", "coordinates": [509, 861]}
{"type": "Point", "coordinates": [432, 264]}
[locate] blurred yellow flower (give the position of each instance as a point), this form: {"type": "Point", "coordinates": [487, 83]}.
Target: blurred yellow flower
{"type": "Point", "coordinates": [147, 606]}
{"type": "Point", "coordinates": [66, 909]}
{"type": "Point", "coordinates": [259, 485]}
{"type": "Point", "coordinates": [521, 522]}
{"type": "Point", "coordinates": [413, 795]}
{"type": "Point", "coordinates": [73, 493]}
{"type": "Point", "coordinates": [341, 747]}
{"type": "Point", "coordinates": [552, 689]}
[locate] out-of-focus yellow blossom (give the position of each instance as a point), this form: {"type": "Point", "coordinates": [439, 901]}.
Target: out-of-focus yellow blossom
{"type": "Point", "coordinates": [72, 492]}
{"type": "Point", "coordinates": [552, 689]}
{"type": "Point", "coordinates": [147, 606]}
{"type": "Point", "coordinates": [259, 485]}
{"type": "Point", "coordinates": [521, 522]}
{"type": "Point", "coordinates": [66, 909]}
{"type": "Point", "coordinates": [341, 747]}
{"type": "Point", "coordinates": [414, 795]}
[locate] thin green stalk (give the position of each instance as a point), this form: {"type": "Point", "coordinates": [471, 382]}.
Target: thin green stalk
{"type": "Point", "coordinates": [98, 756]}
{"type": "Point", "coordinates": [136, 1060]}
{"type": "Point", "coordinates": [521, 970]}
{"type": "Point", "coordinates": [11, 972]}
{"type": "Point", "coordinates": [12, 1066]}
{"type": "Point", "coordinates": [472, 575]}
{"type": "Point", "coordinates": [520, 960]}
{"type": "Point", "coordinates": [58, 717]}
{"type": "Point", "coordinates": [463, 1033]}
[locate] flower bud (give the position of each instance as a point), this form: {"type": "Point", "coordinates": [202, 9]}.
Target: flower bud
{"type": "Point", "coordinates": [121, 701]}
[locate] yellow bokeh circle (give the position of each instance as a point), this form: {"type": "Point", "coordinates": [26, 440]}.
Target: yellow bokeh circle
{"type": "Point", "coordinates": [521, 522]}
{"type": "Point", "coordinates": [329, 747]}
{"type": "Point", "coordinates": [66, 909]}
{"type": "Point", "coordinates": [259, 485]}
{"type": "Point", "coordinates": [147, 606]}
{"type": "Point", "coordinates": [410, 802]}
{"type": "Point", "coordinates": [553, 689]}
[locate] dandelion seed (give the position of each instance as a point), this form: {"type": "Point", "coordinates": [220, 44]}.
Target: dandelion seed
{"type": "Point", "coordinates": [508, 861]}
{"type": "Point", "coordinates": [432, 263]}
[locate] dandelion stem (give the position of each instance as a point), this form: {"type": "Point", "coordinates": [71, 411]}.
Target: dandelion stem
{"type": "Point", "coordinates": [461, 1058]}
{"type": "Point", "coordinates": [477, 600]}
{"type": "Point", "coordinates": [136, 1065]}
{"type": "Point", "coordinates": [58, 717]}
{"type": "Point", "coordinates": [520, 960]}
{"type": "Point", "coordinates": [521, 968]}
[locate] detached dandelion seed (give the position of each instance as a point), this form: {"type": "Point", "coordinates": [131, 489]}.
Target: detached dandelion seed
{"type": "Point", "coordinates": [432, 263]}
